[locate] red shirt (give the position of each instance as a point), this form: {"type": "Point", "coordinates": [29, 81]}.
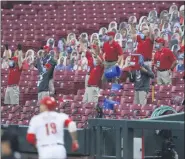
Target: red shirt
{"type": "Point", "coordinates": [112, 51]}
{"type": "Point", "coordinates": [90, 60]}
{"type": "Point", "coordinates": [145, 47]}
{"type": "Point", "coordinates": [95, 76]}
{"type": "Point", "coordinates": [164, 59]}
{"type": "Point", "coordinates": [14, 76]}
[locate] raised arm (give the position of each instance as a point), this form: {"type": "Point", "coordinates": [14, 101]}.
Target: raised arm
{"type": "Point", "coordinates": [20, 59]}
{"type": "Point", "coordinates": [151, 34]}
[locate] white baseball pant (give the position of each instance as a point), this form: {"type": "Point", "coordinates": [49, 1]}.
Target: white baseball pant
{"type": "Point", "coordinates": [52, 152]}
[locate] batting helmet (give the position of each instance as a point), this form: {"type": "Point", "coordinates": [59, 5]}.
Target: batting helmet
{"type": "Point", "coordinates": [49, 102]}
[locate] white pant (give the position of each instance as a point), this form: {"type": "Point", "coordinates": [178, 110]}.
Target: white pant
{"type": "Point", "coordinates": [52, 152]}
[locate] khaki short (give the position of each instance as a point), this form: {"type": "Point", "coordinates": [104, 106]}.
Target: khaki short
{"type": "Point", "coordinates": [164, 77]}
{"type": "Point", "coordinates": [91, 95]}
{"type": "Point", "coordinates": [42, 95]}
{"type": "Point", "coordinates": [12, 95]}
{"type": "Point", "coordinates": [140, 97]}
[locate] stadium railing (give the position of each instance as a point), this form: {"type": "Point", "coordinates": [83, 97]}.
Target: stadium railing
{"type": "Point", "coordinates": [124, 129]}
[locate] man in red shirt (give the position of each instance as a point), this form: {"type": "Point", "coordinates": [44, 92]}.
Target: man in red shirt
{"type": "Point", "coordinates": [164, 62]}
{"type": "Point", "coordinates": [12, 90]}
{"type": "Point", "coordinates": [112, 53]}
{"type": "Point", "coordinates": [145, 42]}
{"type": "Point", "coordinates": [94, 81]}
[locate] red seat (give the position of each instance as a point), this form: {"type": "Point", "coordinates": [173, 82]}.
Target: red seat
{"type": "Point", "coordinates": [79, 78]}
{"type": "Point", "coordinates": [150, 107]}
{"type": "Point", "coordinates": [32, 83]}
{"type": "Point", "coordinates": [109, 112]}
{"type": "Point", "coordinates": [15, 109]}
{"type": "Point", "coordinates": [81, 92]}
{"type": "Point", "coordinates": [128, 93]}
{"type": "Point", "coordinates": [75, 105]}
{"type": "Point", "coordinates": [63, 105]}
{"type": "Point", "coordinates": [165, 88]}
{"type": "Point", "coordinates": [135, 107]}
{"type": "Point", "coordinates": [31, 103]}
{"type": "Point", "coordinates": [89, 105]}
{"type": "Point", "coordinates": [78, 98]}
{"type": "Point", "coordinates": [129, 87]}
{"type": "Point", "coordinates": [106, 92]}
{"type": "Point", "coordinates": [28, 109]}
{"type": "Point", "coordinates": [127, 99]}
{"type": "Point", "coordinates": [76, 117]}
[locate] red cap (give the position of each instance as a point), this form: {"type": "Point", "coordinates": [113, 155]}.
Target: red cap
{"type": "Point", "coordinates": [46, 47]}
{"type": "Point", "coordinates": [15, 59]}
{"type": "Point", "coordinates": [49, 102]}
{"type": "Point", "coordinates": [160, 40]}
{"type": "Point", "coordinates": [111, 33]}
{"type": "Point", "coordinates": [47, 65]}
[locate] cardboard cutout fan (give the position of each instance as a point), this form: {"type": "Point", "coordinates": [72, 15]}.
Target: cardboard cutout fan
{"type": "Point", "coordinates": [118, 38]}
{"type": "Point", "coordinates": [94, 36]}
{"type": "Point", "coordinates": [164, 17]}
{"type": "Point", "coordinates": [175, 17]}
{"type": "Point", "coordinates": [177, 29]}
{"type": "Point", "coordinates": [143, 26]}
{"type": "Point", "coordinates": [103, 31]}
{"type": "Point", "coordinates": [157, 33]}
{"type": "Point", "coordinates": [51, 42]}
{"type": "Point", "coordinates": [70, 37]}
{"type": "Point", "coordinates": [84, 38]}
{"type": "Point", "coordinates": [112, 24]}
{"type": "Point", "coordinates": [132, 20]}
{"type": "Point", "coordinates": [166, 28]}
{"type": "Point", "coordinates": [173, 8]}
{"type": "Point", "coordinates": [129, 48]}
{"type": "Point", "coordinates": [143, 19]}
{"type": "Point", "coordinates": [124, 33]}
{"type": "Point", "coordinates": [152, 17]}
{"type": "Point", "coordinates": [177, 37]}
{"type": "Point", "coordinates": [123, 25]}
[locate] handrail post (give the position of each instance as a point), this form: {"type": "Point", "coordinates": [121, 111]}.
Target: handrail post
{"type": "Point", "coordinates": [98, 142]}
{"type": "Point", "coordinates": [118, 142]}
{"type": "Point", "coordinates": [128, 136]}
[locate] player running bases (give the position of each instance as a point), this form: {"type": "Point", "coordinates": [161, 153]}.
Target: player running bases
{"type": "Point", "coordinates": [46, 131]}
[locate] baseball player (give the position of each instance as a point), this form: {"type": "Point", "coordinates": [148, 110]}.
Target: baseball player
{"type": "Point", "coordinates": [46, 131]}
